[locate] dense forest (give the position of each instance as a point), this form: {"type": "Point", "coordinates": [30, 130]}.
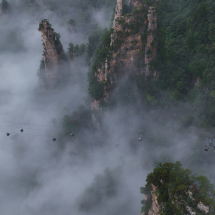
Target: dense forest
{"type": "Point", "coordinates": [184, 87]}
{"type": "Point", "coordinates": [184, 60]}
{"type": "Point", "coordinates": [177, 190]}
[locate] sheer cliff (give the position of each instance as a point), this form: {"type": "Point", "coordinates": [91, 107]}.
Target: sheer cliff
{"type": "Point", "coordinates": [131, 48]}
{"type": "Point", "coordinates": [53, 56]}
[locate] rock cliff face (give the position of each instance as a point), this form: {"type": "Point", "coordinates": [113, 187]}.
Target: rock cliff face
{"type": "Point", "coordinates": [155, 206]}
{"type": "Point", "coordinates": [131, 49]}
{"type": "Point", "coordinates": [52, 55]}
{"type": "Point", "coordinates": [118, 11]}
{"type": "Point", "coordinates": [132, 46]}
{"type": "Point", "coordinates": [150, 49]}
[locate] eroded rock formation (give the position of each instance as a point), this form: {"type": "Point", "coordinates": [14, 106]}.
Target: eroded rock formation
{"type": "Point", "coordinates": [126, 41]}
{"type": "Point", "coordinates": [150, 49]}
{"type": "Point", "coordinates": [132, 44]}
{"type": "Point", "coordinates": [131, 49]}
{"type": "Point", "coordinates": [53, 54]}
{"type": "Point", "coordinates": [155, 206]}
{"type": "Point", "coordinates": [118, 11]}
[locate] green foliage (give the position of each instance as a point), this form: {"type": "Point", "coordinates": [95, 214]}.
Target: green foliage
{"type": "Point", "coordinates": [134, 26]}
{"type": "Point", "coordinates": [71, 22]}
{"type": "Point", "coordinates": [125, 9]}
{"type": "Point", "coordinates": [185, 53]}
{"type": "Point", "coordinates": [93, 42]}
{"type": "Point", "coordinates": [76, 51]}
{"type": "Point", "coordinates": [58, 44]}
{"type": "Point", "coordinates": [102, 53]}
{"type": "Point", "coordinates": [173, 184]}
{"type": "Point", "coordinates": [42, 26]}
{"type": "Point", "coordinates": [80, 49]}
{"type": "Point", "coordinates": [146, 204]}
{"type": "Point", "coordinates": [197, 68]}
{"type": "Point", "coordinates": [74, 122]}
{"type": "Point", "coordinates": [56, 39]}
{"type": "Point", "coordinates": [96, 89]}
{"type": "Point", "coordinates": [71, 25]}
{"type": "Point", "coordinates": [149, 2]}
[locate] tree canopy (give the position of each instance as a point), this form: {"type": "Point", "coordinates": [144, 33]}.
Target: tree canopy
{"type": "Point", "coordinates": [177, 188]}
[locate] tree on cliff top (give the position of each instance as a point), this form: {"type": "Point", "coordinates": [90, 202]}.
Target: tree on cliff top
{"type": "Point", "coordinates": [45, 26]}
{"type": "Point", "coordinates": [177, 188]}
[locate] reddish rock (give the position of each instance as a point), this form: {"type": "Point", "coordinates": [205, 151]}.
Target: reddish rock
{"type": "Point", "coordinates": [155, 206]}
{"type": "Point", "coordinates": [130, 55]}
{"type": "Point", "coordinates": [52, 54]}
{"type": "Point", "coordinates": [151, 45]}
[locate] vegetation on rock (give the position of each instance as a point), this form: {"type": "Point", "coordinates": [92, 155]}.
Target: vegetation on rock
{"type": "Point", "coordinates": [177, 189]}
{"type": "Point", "coordinates": [102, 53]}
{"type": "Point", "coordinates": [184, 62]}
{"type": "Point", "coordinates": [76, 50]}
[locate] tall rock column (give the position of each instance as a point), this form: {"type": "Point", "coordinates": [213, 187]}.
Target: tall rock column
{"type": "Point", "coordinates": [126, 54]}
{"type": "Point", "coordinates": [118, 11]}
{"type": "Point", "coordinates": [150, 49]}
{"type": "Point", "coordinates": [52, 54]}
